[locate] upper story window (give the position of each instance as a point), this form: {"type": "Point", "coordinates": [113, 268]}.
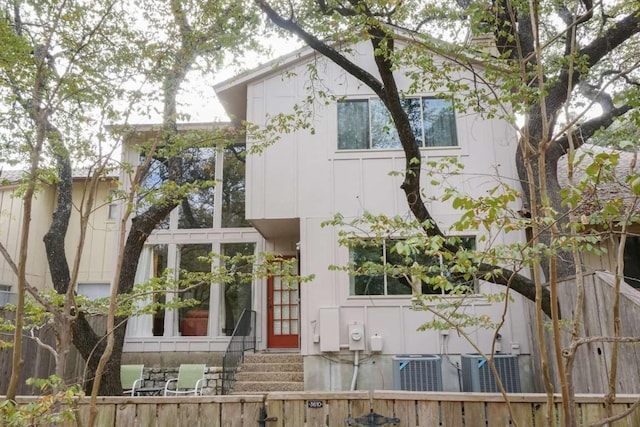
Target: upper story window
{"type": "Point", "coordinates": [382, 271]}
{"type": "Point", "coordinates": [6, 297]}
{"type": "Point", "coordinates": [366, 124]}
{"type": "Point", "coordinates": [196, 209]}
{"type": "Point", "coordinates": [233, 187]}
{"type": "Point", "coordinates": [218, 202]}
{"type": "Point", "coordinates": [94, 291]}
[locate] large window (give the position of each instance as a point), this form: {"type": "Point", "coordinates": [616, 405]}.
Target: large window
{"type": "Point", "coordinates": [380, 270]}
{"type": "Point", "coordinates": [631, 264]}
{"type": "Point", "coordinates": [158, 258]}
{"type": "Point", "coordinates": [188, 235]}
{"type": "Point", "coordinates": [237, 290]}
{"type": "Point", "coordinates": [196, 209]}
{"type": "Point", "coordinates": [6, 297]}
{"type": "Point", "coordinates": [194, 320]}
{"type": "Point", "coordinates": [366, 124]}
{"type": "Point", "coordinates": [214, 305]}
{"type": "Point", "coordinates": [204, 206]}
{"type": "Point", "coordinates": [233, 187]}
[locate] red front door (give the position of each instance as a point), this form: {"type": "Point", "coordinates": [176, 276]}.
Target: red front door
{"type": "Point", "coordinates": [283, 313]}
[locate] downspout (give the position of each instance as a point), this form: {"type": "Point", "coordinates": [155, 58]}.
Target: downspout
{"type": "Point", "coordinates": [356, 364]}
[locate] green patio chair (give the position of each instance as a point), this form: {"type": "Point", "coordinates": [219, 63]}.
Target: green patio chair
{"type": "Point", "coordinates": [131, 378]}
{"type": "Point", "coordinates": [190, 381]}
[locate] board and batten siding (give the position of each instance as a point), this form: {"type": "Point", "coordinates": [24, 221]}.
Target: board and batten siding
{"type": "Point", "coordinates": [11, 211]}
{"type": "Point", "coordinates": [303, 175]}
{"type": "Point", "coordinates": [99, 248]}
{"type": "Point", "coordinates": [99, 252]}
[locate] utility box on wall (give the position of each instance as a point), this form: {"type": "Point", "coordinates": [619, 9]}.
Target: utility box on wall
{"type": "Point", "coordinates": [329, 318]}
{"type": "Point", "coordinates": [356, 336]}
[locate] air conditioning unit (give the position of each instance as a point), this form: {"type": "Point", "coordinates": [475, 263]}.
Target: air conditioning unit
{"type": "Point", "coordinates": [420, 372]}
{"type": "Point", "coordinates": [478, 377]}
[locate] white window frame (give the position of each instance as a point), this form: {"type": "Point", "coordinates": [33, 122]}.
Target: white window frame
{"type": "Point", "coordinates": [369, 100]}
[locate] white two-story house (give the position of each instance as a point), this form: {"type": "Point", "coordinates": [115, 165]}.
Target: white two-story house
{"type": "Point", "coordinates": [343, 166]}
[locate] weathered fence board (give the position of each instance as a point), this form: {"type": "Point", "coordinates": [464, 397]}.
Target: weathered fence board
{"type": "Point", "coordinates": [146, 415]}
{"type": "Point", "coordinates": [498, 414]}
{"type": "Point", "coordinates": [592, 365]}
{"type": "Point", "coordinates": [231, 414]}
{"type": "Point", "coordinates": [167, 414]}
{"type": "Point", "coordinates": [522, 414]}
{"type": "Point", "coordinates": [359, 407]}
{"type": "Point", "coordinates": [126, 414]}
{"type": "Point", "coordinates": [405, 410]}
{"type": "Point", "coordinates": [474, 414]}
{"type": "Point", "coordinates": [188, 415]}
{"type": "Point", "coordinates": [211, 412]}
{"type": "Point", "coordinates": [38, 361]}
{"type": "Point", "coordinates": [451, 414]}
{"type": "Point", "coordinates": [428, 413]}
{"type": "Point", "coordinates": [331, 409]}
{"type": "Point", "coordinates": [338, 411]}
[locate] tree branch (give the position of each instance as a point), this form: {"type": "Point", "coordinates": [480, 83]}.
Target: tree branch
{"type": "Point", "coordinates": [594, 52]}
{"type": "Point", "coordinates": [322, 48]}
{"type": "Point", "coordinates": [580, 134]}
{"type": "Point", "coordinates": [383, 45]}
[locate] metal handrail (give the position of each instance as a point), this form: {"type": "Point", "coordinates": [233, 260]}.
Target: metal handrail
{"type": "Point", "coordinates": [242, 339]}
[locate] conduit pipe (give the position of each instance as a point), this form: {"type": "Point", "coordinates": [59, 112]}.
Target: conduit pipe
{"type": "Point", "coordinates": [356, 364]}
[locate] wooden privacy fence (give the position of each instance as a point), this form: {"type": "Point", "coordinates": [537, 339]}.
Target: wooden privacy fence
{"type": "Point", "coordinates": [332, 409]}
{"type": "Point", "coordinates": [592, 365]}
{"type": "Point", "coordinates": [38, 361]}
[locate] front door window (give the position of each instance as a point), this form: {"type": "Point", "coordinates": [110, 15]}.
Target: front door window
{"type": "Point", "coordinates": [283, 312]}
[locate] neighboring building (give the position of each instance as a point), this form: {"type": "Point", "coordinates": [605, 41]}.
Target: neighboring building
{"type": "Point", "coordinates": [600, 200]}
{"type": "Point", "coordinates": [96, 266]}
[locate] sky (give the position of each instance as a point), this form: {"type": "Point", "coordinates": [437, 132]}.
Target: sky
{"type": "Point", "coordinates": [198, 97]}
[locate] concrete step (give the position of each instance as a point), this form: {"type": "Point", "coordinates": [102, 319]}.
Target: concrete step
{"type": "Point", "coordinates": [241, 387]}
{"type": "Point", "coordinates": [266, 372]}
{"type": "Point", "coordinates": [245, 376]}
{"type": "Point", "coordinates": [272, 367]}
{"type": "Point", "coordinates": [272, 358]}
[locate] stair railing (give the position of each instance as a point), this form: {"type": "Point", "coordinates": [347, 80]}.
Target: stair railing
{"type": "Point", "coordinates": [242, 339]}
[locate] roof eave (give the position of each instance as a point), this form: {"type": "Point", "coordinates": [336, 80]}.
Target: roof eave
{"type": "Point", "coordinates": [232, 93]}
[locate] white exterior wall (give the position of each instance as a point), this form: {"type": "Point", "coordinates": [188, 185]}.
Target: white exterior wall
{"type": "Point", "coordinates": [98, 258]}
{"type": "Point", "coordinates": [98, 252]}
{"type": "Point", "coordinates": [304, 176]}
{"type": "Point", "coordinates": [11, 211]}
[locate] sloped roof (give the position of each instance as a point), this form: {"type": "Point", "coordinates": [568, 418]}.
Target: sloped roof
{"type": "Point", "coordinates": [13, 176]}
{"type": "Point", "coordinates": [599, 193]}
{"type": "Point", "coordinates": [232, 92]}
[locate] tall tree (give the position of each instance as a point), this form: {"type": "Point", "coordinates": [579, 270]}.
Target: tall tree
{"type": "Point", "coordinates": [573, 69]}
{"type": "Point", "coordinates": [73, 67]}
{"type": "Point", "coordinates": [560, 72]}
{"type": "Point", "coordinates": [50, 92]}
